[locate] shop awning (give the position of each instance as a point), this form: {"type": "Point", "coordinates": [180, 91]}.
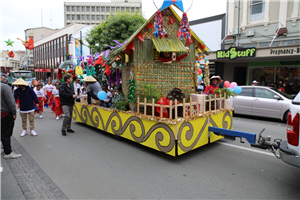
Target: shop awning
{"type": "Point", "coordinates": [169, 45]}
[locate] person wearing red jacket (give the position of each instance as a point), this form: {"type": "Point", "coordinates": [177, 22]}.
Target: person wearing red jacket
{"type": "Point", "coordinates": [214, 84]}
{"type": "Point", "coordinates": [168, 57]}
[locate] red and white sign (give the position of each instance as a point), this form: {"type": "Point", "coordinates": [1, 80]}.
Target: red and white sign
{"type": "Point", "coordinates": [42, 70]}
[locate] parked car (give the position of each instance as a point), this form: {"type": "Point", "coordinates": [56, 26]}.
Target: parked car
{"type": "Point", "coordinates": [263, 102]}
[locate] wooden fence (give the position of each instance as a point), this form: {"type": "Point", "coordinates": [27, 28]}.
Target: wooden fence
{"type": "Point", "coordinates": [216, 101]}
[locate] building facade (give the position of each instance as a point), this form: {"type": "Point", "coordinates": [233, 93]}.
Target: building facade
{"type": "Point", "coordinates": [262, 43]}
{"type": "Point", "coordinates": [92, 13]}
{"type": "Point", "coordinates": [51, 50]}
{"type": "Point", "coordinates": [36, 34]}
{"type": "Point", "coordinates": [15, 63]}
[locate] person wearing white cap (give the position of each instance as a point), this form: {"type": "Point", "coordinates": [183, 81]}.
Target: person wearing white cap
{"type": "Point", "coordinates": [214, 84]}
{"type": "Point", "coordinates": [254, 83]}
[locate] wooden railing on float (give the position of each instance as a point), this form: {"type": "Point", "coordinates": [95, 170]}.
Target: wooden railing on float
{"type": "Point", "coordinates": [184, 105]}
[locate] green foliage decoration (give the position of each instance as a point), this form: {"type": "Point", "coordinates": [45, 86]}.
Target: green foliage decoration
{"type": "Point", "coordinates": [123, 105]}
{"type": "Point", "coordinates": [223, 91]}
{"type": "Point", "coordinates": [118, 27]}
{"type": "Point", "coordinates": [131, 90]}
{"type": "Point", "coordinates": [150, 92]}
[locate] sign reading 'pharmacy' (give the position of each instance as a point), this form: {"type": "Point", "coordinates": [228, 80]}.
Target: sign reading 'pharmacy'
{"type": "Point", "coordinates": [234, 53]}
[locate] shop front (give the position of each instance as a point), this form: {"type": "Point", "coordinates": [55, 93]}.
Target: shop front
{"type": "Point", "coordinates": [265, 65]}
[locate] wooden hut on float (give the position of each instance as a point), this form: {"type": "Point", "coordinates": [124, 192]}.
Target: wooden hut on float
{"type": "Point", "coordinates": [141, 57]}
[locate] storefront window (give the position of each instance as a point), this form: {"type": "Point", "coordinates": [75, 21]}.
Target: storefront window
{"type": "Point", "coordinates": [266, 76]}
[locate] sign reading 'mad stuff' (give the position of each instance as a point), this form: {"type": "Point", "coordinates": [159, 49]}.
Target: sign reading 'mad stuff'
{"type": "Point", "coordinates": [234, 53]}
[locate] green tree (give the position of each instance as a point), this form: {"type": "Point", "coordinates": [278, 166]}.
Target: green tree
{"type": "Point", "coordinates": [117, 27]}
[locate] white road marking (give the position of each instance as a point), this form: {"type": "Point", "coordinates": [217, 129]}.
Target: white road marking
{"type": "Point", "coordinates": [247, 149]}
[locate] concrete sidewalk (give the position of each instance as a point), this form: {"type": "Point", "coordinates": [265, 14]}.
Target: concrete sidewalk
{"type": "Point", "coordinates": [9, 186]}
{"type": "Point", "coordinates": [23, 178]}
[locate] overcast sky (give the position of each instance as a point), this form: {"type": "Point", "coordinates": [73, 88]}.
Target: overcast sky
{"type": "Point", "coordinates": [19, 15]}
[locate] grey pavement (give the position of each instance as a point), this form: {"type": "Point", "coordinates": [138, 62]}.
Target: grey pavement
{"type": "Point", "coordinates": [90, 164]}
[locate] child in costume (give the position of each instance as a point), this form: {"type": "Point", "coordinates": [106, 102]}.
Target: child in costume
{"type": "Point", "coordinates": [107, 102]}
{"type": "Point", "coordinates": [48, 90]}
{"type": "Point", "coordinates": [57, 106]}
{"type": "Point", "coordinates": [41, 97]}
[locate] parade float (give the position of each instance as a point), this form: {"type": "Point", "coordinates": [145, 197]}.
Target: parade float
{"type": "Point", "coordinates": [165, 112]}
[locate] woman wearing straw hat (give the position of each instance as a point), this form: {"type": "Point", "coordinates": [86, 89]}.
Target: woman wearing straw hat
{"type": "Point", "coordinates": [93, 89]}
{"type": "Point", "coordinates": [26, 97]}
{"type": "Point", "coordinates": [214, 84]}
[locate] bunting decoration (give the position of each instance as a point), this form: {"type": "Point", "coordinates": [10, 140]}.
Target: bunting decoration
{"type": "Point", "coordinates": [159, 26]}
{"type": "Point", "coordinates": [184, 29]}
{"type": "Point", "coordinates": [10, 54]}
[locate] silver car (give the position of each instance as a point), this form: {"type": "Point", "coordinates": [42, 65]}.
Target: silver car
{"type": "Point", "coordinates": [263, 102]}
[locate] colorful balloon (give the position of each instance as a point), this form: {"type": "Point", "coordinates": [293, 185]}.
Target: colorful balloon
{"type": "Point", "coordinates": [102, 95]}
{"type": "Point", "coordinates": [227, 84]}
{"type": "Point", "coordinates": [233, 85]}
{"type": "Point", "coordinates": [231, 90]}
{"type": "Point", "coordinates": [199, 71]}
{"type": "Point", "coordinates": [199, 78]}
{"type": "Point", "coordinates": [238, 89]}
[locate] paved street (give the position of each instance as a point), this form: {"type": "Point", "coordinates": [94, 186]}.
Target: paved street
{"type": "Point", "coordinates": [90, 164]}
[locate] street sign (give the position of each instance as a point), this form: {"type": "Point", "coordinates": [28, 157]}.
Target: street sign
{"type": "Point", "coordinates": [42, 70]}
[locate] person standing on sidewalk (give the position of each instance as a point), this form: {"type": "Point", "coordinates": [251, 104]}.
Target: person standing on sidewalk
{"type": "Point", "coordinates": [8, 116]}
{"type": "Point", "coordinates": [26, 97]}
{"type": "Point", "coordinates": [67, 97]}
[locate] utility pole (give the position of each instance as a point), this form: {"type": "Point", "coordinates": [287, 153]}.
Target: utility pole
{"type": "Point", "coordinates": [42, 16]}
{"type": "Point", "coordinates": [238, 36]}
{"type": "Point", "coordinates": [81, 43]}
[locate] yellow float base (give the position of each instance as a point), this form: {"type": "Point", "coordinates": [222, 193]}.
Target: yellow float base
{"type": "Point", "coordinates": [171, 138]}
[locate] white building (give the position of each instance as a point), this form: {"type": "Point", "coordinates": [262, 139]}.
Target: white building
{"type": "Point", "coordinates": [92, 13]}
{"type": "Point", "coordinates": [51, 50]}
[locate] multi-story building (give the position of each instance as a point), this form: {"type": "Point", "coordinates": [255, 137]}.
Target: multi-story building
{"type": "Point", "coordinates": [262, 42]}
{"type": "Point", "coordinates": [91, 13]}
{"type": "Point", "coordinates": [15, 63]}
{"type": "Point", "coordinates": [50, 51]}
{"type": "Point", "coordinates": [35, 34]}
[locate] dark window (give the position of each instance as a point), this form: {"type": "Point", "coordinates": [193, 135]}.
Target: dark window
{"type": "Point", "coordinates": [68, 8]}
{"type": "Point", "coordinates": [98, 17]}
{"type": "Point", "coordinates": [113, 9]}
{"type": "Point", "coordinates": [93, 9]}
{"type": "Point", "coordinates": [102, 9]}
{"type": "Point", "coordinates": [73, 8]}
{"type": "Point", "coordinates": [246, 92]}
{"type": "Point", "coordinates": [78, 17]}
{"type": "Point", "coordinates": [93, 17]}
{"type": "Point", "coordinates": [83, 17]}
{"type": "Point", "coordinates": [78, 8]}
{"type": "Point", "coordinates": [87, 9]}
{"type": "Point", "coordinates": [73, 17]}
{"type": "Point", "coordinates": [83, 8]}
{"type": "Point", "coordinates": [107, 9]}
{"type": "Point", "coordinates": [98, 8]}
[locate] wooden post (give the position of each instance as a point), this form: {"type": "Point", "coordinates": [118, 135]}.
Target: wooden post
{"type": "Point", "coordinates": [161, 111]}
{"type": "Point", "coordinates": [204, 102]}
{"type": "Point", "coordinates": [145, 107]}
{"type": "Point", "coordinates": [176, 111]}
{"type": "Point", "coordinates": [215, 102]}
{"type": "Point", "coordinates": [191, 106]}
{"type": "Point", "coordinates": [197, 106]}
{"type": "Point", "coordinates": [153, 108]}
{"type": "Point", "coordinates": [224, 100]}
{"type": "Point", "coordinates": [183, 107]}
{"type": "Point", "coordinates": [138, 104]}
{"type": "Point", "coordinates": [171, 110]}
{"type": "Point", "coordinates": [220, 99]}
{"type": "Point", "coordinates": [209, 103]}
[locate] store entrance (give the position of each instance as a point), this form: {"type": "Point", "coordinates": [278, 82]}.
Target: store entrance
{"type": "Point", "coordinates": [240, 74]}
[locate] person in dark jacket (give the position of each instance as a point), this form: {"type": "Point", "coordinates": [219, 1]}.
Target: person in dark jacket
{"type": "Point", "coordinates": [8, 116]}
{"type": "Point", "coordinates": [287, 87]}
{"type": "Point", "coordinates": [26, 98]}
{"type": "Point", "coordinates": [67, 97]}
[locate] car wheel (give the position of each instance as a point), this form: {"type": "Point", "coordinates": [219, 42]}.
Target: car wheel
{"type": "Point", "coordinates": [285, 116]}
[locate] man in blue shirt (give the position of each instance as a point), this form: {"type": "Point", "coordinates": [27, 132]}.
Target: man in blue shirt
{"type": "Point", "coordinates": [26, 97]}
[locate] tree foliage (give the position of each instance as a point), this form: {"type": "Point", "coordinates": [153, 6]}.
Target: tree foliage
{"type": "Point", "coordinates": [117, 27]}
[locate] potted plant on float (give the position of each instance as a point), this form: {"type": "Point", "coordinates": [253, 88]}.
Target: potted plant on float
{"type": "Point", "coordinates": [220, 92]}
{"type": "Point", "coordinates": [150, 92]}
